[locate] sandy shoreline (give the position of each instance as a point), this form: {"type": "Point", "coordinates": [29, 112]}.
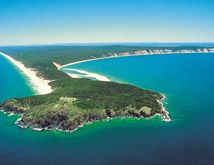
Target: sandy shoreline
{"type": "Point", "coordinates": [85, 74]}
{"type": "Point", "coordinates": [101, 77]}
{"type": "Point", "coordinates": [130, 55]}
{"type": "Point", "coordinates": [40, 85]}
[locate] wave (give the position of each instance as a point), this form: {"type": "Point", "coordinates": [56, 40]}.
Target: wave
{"type": "Point", "coordinates": [76, 73]}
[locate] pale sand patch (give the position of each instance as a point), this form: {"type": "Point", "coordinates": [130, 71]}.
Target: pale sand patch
{"type": "Point", "coordinates": [85, 74]}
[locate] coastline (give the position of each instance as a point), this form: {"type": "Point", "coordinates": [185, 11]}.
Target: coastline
{"type": "Point", "coordinates": [85, 74]}
{"type": "Point", "coordinates": [163, 113]}
{"type": "Point", "coordinates": [70, 131]}
{"type": "Point", "coordinates": [40, 85]}
{"type": "Point", "coordinates": [129, 55]}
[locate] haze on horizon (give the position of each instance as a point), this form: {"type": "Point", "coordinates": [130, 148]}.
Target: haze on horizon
{"type": "Point", "coordinates": [97, 21]}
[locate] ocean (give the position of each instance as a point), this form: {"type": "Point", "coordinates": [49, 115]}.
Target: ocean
{"type": "Point", "coordinates": [188, 84]}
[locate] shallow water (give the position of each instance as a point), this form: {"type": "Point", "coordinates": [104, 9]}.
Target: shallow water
{"type": "Point", "coordinates": [186, 80]}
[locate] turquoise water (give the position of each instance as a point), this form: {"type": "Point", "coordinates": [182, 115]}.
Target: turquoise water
{"type": "Point", "coordinates": [186, 80]}
{"type": "Point", "coordinates": [12, 82]}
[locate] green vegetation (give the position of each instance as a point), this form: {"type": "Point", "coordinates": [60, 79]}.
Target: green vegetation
{"type": "Point", "coordinates": [75, 102]}
{"type": "Point", "coordinates": [78, 101]}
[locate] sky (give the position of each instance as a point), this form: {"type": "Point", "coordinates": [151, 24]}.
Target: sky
{"type": "Point", "coordinates": [98, 21]}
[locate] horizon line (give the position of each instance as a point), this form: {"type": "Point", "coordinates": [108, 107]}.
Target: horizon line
{"type": "Point", "coordinates": [99, 43]}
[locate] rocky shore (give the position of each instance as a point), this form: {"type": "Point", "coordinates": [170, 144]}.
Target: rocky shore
{"type": "Point", "coordinates": [62, 120]}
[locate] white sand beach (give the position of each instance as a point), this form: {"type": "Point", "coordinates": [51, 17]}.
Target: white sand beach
{"type": "Point", "coordinates": [94, 59]}
{"type": "Point", "coordinates": [40, 85]}
{"type": "Point", "coordinates": [85, 74]}
{"type": "Point", "coordinates": [211, 50]}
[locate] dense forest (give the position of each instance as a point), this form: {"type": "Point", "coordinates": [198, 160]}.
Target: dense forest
{"type": "Point", "coordinates": [75, 102]}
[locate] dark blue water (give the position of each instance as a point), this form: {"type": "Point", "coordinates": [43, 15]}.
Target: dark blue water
{"type": "Point", "coordinates": [188, 83]}
{"type": "Point", "coordinates": [186, 80]}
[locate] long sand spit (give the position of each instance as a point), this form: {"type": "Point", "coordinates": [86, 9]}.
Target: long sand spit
{"type": "Point", "coordinates": [84, 74]}
{"type": "Point", "coordinates": [40, 85]}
